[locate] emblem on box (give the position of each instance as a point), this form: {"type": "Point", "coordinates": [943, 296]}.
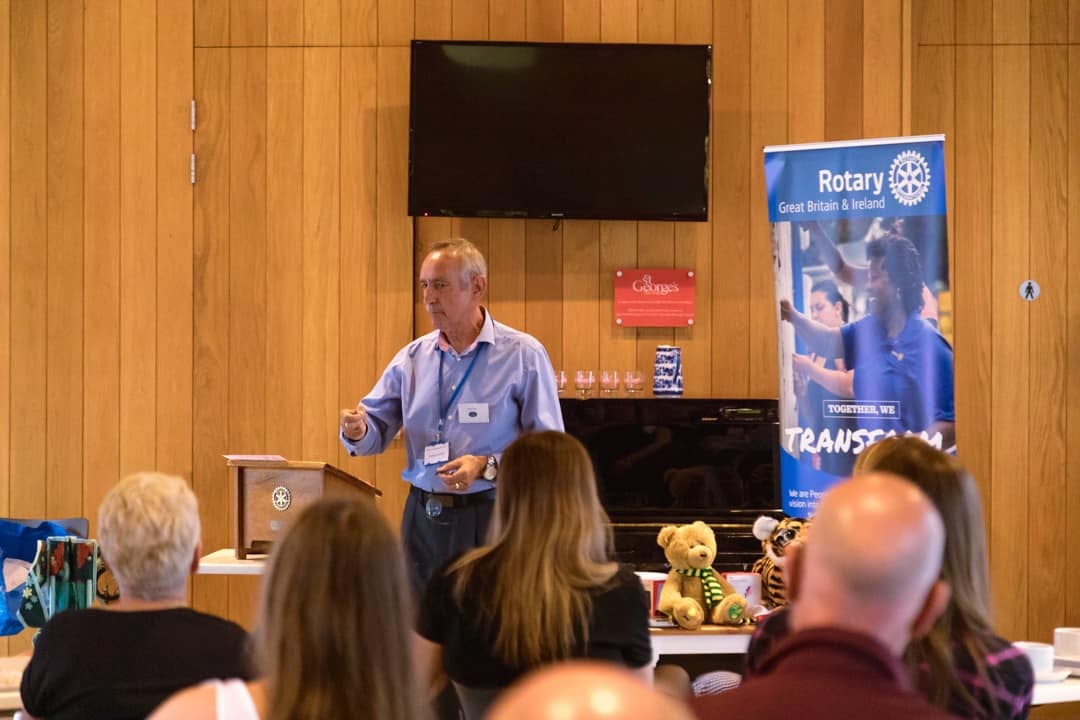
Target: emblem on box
{"type": "Point", "coordinates": [281, 498]}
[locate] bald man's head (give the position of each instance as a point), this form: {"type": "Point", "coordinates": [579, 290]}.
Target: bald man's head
{"type": "Point", "coordinates": [584, 690]}
{"type": "Point", "coordinates": [872, 557]}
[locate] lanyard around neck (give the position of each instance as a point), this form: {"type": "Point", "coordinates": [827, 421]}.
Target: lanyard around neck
{"type": "Point", "coordinates": [444, 411]}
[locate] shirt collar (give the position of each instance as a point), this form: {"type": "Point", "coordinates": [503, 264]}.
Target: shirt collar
{"type": "Point", "coordinates": [807, 647]}
{"type": "Point", "coordinates": [487, 334]}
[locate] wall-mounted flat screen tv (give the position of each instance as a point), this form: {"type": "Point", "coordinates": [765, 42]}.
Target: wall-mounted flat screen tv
{"type": "Point", "coordinates": [559, 130]}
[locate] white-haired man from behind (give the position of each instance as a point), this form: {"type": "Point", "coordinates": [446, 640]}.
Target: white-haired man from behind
{"type": "Point", "coordinates": [122, 661]}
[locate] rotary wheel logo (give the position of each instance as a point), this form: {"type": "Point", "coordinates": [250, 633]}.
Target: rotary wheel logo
{"type": "Point", "coordinates": [909, 178]}
{"type": "Point", "coordinates": [281, 497]}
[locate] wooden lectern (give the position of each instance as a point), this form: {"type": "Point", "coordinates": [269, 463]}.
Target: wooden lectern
{"type": "Point", "coordinates": [268, 494]}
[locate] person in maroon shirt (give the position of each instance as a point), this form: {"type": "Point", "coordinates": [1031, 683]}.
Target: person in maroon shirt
{"type": "Point", "coordinates": [865, 583]}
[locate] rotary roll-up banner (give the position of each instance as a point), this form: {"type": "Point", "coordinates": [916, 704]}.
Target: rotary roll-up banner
{"type": "Point", "coordinates": [864, 307]}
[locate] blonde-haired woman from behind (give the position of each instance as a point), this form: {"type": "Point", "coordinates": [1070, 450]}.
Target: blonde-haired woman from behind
{"type": "Point", "coordinates": [324, 644]}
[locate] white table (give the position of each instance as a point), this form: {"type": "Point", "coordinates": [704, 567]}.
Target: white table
{"type": "Point", "coordinates": [1068, 690]}
{"type": "Point", "coordinates": [224, 562]}
{"type": "Point", "coordinates": [709, 640]}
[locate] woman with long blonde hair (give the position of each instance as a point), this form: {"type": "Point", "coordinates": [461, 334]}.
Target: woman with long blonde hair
{"type": "Point", "coordinates": [543, 589]}
{"type": "Point", "coordinates": [332, 632]}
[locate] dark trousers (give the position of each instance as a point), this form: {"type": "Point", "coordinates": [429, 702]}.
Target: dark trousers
{"type": "Point", "coordinates": [431, 541]}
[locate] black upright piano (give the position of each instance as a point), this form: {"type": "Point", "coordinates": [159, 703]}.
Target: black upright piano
{"type": "Point", "coordinates": [663, 461]}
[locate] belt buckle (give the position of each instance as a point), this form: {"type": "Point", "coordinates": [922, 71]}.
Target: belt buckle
{"type": "Point", "coordinates": [433, 507]}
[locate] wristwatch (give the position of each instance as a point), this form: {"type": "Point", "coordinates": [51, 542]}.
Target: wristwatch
{"type": "Point", "coordinates": [491, 470]}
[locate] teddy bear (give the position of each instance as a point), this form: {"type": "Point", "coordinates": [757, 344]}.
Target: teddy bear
{"type": "Point", "coordinates": [776, 537]}
{"type": "Point", "coordinates": [694, 593]}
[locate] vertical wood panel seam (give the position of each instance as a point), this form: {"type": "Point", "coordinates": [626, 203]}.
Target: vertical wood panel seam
{"type": "Point", "coordinates": [157, 219]}
{"type": "Point", "coordinates": [341, 204]}
{"type": "Point", "coordinates": [11, 244]}
{"type": "Point", "coordinates": [82, 269]}
{"type": "Point", "coordinates": [303, 228]}
{"type": "Point", "coordinates": [45, 371]}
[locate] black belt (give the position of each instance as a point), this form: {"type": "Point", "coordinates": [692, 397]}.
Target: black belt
{"type": "Point", "coordinates": [448, 500]}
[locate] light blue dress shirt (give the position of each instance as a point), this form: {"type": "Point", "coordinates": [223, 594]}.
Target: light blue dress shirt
{"type": "Point", "coordinates": [512, 376]}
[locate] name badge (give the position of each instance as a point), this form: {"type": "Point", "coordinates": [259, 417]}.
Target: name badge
{"type": "Point", "coordinates": [437, 453]}
{"type": "Point", "coordinates": [472, 413]}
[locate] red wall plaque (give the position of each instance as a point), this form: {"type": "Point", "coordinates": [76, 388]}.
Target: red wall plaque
{"type": "Point", "coordinates": [654, 297]}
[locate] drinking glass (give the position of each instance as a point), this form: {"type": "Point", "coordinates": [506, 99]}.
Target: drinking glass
{"type": "Point", "coordinates": [584, 381]}
{"type": "Point", "coordinates": [560, 381]}
{"type": "Point", "coordinates": [609, 382]}
{"type": "Point", "coordinates": [633, 382]}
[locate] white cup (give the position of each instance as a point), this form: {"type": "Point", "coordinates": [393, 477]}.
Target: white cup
{"type": "Point", "coordinates": [1067, 642]}
{"type": "Point", "coordinates": [1040, 654]}
{"type": "Point", "coordinates": [747, 584]}
{"type": "Point", "coordinates": [653, 582]}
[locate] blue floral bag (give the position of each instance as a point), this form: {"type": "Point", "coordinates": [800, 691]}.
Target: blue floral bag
{"type": "Point", "coordinates": [18, 550]}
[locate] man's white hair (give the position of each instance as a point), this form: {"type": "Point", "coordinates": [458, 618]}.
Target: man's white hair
{"type": "Point", "coordinates": [473, 263]}
{"type": "Point", "coordinates": [148, 529]}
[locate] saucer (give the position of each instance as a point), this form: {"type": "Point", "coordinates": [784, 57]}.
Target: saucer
{"type": "Point", "coordinates": [1053, 676]}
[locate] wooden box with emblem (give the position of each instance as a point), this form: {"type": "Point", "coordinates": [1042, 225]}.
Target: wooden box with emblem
{"type": "Point", "coordinates": [269, 494]}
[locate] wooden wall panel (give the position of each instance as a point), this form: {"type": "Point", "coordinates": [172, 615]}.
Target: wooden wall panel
{"type": "Point", "coordinates": [544, 20]}
{"type": "Point", "coordinates": [656, 21]}
{"type": "Point", "coordinates": [285, 22]}
{"type": "Point", "coordinates": [1012, 22]}
{"type": "Point", "coordinates": [806, 63]}
{"type": "Point", "coordinates": [359, 234]}
{"type": "Point", "coordinates": [247, 22]}
{"type": "Point", "coordinates": [322, 22]}
{"type": "Point", "coordinates": [247, 250]}
{"type": "Point", "coordinates": [768, 126]}
{"type": "Point", "coordinates": [618, 348]}
{"type": "Point", "coordinates": [1049, 21]}
{"type": "Point", "coordinates": [5, 264]}
{"type": "Point", "coordinates": [359, 22]}
{"type": "Point", "coordinates": [844, 69]}
{"type": "Point", "coordinates": [433, 19]}
{"type": "Point", "coordinates": [655, 249]}
{"type": "Point", "coordinates": [581, 20]}
{"type": "Point", "coordinates": [284, 250]}
{"type": "Point", "coordinates": [29, 257]}
{"type": "Point", "coordinates": [974, 20]}
{"type": "Point", "coordinates": [210, 259]}
{"type": "Point", "coordinates": [732, 198]}
{"type": "Point", "coordinates": [1071, 588]}
{"type": "Point", "coordinates": [395, 279]}
{"type": "Point", "coordinates": [395, 20]}
{"type": "Point", "coordinates": [693, 241]}
{"type": "Point", "coordinates": [174, 232]}
{"type": "Point", "coordinates": [882, 48]}
{"type": "Point", "coordinates": [101, 254]}
{"type": "Point", "coordinates": [1010, 454]}
{"type": "Point", "coordinates": [64, 303]}
{"type": "Point", "coordinates": [973, 276]}
{"type": "Point", "coordinates": [138, 221]}
{"type": "Point", "coordinates": [543, 285]}
{"type": "Point", "coordinates": [211, 23]}
{"type": "Point", "coordinates": [322, 208]}
{"type": "Point", "coordinates": [1047, 348]}
{"type": "Point", "coordinates": [506, 264]}
{"type": "Point", "coordinates": [507, 19]}
{"type": "Point", "coordinates": [581, 282]}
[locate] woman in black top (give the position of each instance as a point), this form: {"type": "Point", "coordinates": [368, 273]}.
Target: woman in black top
{"type": "Point", "coordinates": [544, 589]}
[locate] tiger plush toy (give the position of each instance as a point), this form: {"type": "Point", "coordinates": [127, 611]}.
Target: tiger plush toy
{"type": "Point", "coordinates": [775, 536]}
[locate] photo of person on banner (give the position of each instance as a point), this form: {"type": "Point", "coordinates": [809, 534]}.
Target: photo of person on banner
{"type": "Point", "coordinates": [885, 368]}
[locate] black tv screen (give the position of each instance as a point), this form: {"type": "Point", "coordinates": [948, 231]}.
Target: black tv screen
{"type": "Point", "coordinates": [559, 130]}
